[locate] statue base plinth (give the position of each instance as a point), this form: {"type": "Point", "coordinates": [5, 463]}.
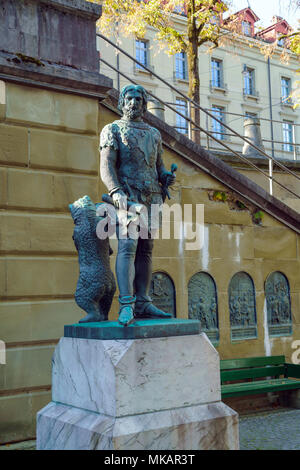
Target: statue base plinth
{"type": "Point", "coordinates": [203, 427]}
{"type": "Point", "coordinates": [159, 393]}
{"type": "Point", "coordinates": [138, 329]}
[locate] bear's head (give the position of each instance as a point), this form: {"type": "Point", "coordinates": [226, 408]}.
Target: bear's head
{"type": "Point", "coordinates": [83, 209]}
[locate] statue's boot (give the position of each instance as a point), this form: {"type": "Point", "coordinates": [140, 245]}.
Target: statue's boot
{"type": "Point", "coordinates": [126, 315]}
{"type": "Point", "coordinates": [144, 308]}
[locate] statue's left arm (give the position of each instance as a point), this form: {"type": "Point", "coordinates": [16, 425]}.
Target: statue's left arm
{"type": "Point", "coordinates": [165, 177]}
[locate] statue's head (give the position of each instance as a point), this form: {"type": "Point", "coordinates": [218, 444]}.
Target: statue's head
{"type": "Point", "coordinates": [133, 101]}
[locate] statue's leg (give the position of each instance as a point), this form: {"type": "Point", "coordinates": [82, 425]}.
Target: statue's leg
{"type": "Point", "coordinates": [143, 275]}
{"type": "Point", "coordinates": [143, 268]}
{"type": "Point", "coordinates": [125, 271]}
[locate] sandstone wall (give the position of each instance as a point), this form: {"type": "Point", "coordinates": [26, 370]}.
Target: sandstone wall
{"type": "Point", "coordinates": [48, 158]}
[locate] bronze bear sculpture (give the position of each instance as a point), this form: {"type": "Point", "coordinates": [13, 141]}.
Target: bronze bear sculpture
{"type": "Point", "coordinates": [96, 285]}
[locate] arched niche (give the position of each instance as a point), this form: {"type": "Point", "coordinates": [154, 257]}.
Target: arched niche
{"type": "Point", "coordinates": [203, 303]}
{"type": "Point", "coordinates": [242, 307]}
{"type": "Point", "coordinates": [162, 292]}
{"type": "Point", "coordinates": [277, 291]}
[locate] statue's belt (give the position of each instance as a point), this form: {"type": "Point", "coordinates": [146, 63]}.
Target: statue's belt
{"type": "Point", "coordinates": [146, 187]}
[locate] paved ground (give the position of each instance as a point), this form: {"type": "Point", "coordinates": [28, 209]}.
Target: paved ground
{"type": "Point", "coordinates": [25, 445]}
{"type": "Point", "coordinates": [270, 430]}
{"type": "Point", "coordinates": [275, 430]}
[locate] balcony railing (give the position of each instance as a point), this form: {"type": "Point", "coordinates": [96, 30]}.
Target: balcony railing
{"type": "Point", "coordinates": [286, 101]}
{"type": "Point", "coordinates": [137, 68]}
{"type": "Point", "coordinates": [180, 77]}
{"type": "Point", "coordinates": [215, 85]}
{"type": "Point", "coordinates": [192, 125]}
{"type": "Point", "coordinates": [250, 92]}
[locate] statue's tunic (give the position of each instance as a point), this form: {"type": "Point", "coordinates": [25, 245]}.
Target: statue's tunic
{"type": "Point", "coordinates": [139, 163]}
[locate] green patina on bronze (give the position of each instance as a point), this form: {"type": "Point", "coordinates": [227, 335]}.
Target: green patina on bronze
{"type": "Point", "coordinates": [131, 166]}
{"type": "Point", "coordinates": [109, 330]}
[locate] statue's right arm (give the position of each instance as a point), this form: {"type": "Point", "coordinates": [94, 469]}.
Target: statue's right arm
{"type": "Point", "coordinates": [109, 176]}
{"type": "Point", "coordinates": [108, 168]}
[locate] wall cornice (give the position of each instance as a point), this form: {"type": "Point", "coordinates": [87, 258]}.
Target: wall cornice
{"type": "Point", "coordinates": [57, 77]}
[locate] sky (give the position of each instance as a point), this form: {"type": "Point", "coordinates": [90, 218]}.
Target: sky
{"type": "Point", "coordinates": [265, 9]}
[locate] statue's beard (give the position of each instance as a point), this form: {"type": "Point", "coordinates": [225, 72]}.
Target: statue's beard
{"type": "Point", "coordinates": [132, 113]}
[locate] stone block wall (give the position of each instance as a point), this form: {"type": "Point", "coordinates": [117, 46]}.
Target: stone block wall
{"type": "Point", "coordinates": [48, 159]}
{"type": "Point", "coordinates": [59, 31]}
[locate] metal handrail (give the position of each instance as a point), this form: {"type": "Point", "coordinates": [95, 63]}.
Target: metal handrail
{"type": "Point", "coordinates": [245, 117]}
{"type": "Point", "coordinates": [244, 159]}
{"type": "Point", "coordinates": [207, 113]}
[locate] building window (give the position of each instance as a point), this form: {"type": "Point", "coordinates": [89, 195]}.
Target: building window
{"type": "Point", "coordinates": [215, 19]}
{"type": "Point", "coordinates": [179, 9]}
{"type": "Point", "coordinates": [181, 66]}
{"type": "Point", "coordinates": [216, 73]}
{"type": "Point", "coordinates": [181, 123]}
{"type": "Point", "coordinates": [280, 40]}
{"type": "Point", "coordinates": [246, 28]}
{"type": "Point", "coordinates": [249, 81]}
{"type": "Point", "coordinates": [285, 90]}
{"type": "Point", "coordinates": [141, 54]}
{"type": "Point", "coordinates": [287, 130]}
{"type": "Point", "coordinates": [217, 129]}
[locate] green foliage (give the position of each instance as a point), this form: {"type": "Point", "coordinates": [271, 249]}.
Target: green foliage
{"type": "Point", "coordinates": [219, 196]}
{"type": "Point", "coordinates": [241, 205]}
{"type": "Point", "coordinates": [295, 47]}
{"type": "Point", "coordinates": [295, 43]}
{"type": "Point", "coordinates": [133, 17]}
{"type": "Point", "coordinates": [258, 216]}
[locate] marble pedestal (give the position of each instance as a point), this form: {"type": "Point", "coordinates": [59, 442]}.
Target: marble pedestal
{"type": "Point", "coordinates": [159, 393]}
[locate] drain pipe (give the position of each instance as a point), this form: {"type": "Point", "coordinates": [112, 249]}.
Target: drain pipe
{"type": "Point", "coordinates": [272, 129]}
{"type": "Point", "coordinates": [118, 74]}
{"type": "Point", "coordinates": [118, 58]}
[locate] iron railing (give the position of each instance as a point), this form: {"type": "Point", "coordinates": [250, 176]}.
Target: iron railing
{"type": "Point", "coordinates": [192, 125]}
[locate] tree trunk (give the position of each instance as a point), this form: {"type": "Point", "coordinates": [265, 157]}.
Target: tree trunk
{"type": "Point", "coordinates": [193, 69]}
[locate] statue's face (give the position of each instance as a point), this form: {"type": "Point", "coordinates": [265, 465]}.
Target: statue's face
{"type": "Point", "coordinates": [133, 105]}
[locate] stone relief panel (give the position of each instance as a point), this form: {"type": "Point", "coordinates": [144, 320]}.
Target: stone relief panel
{"type": "Point", "coordinates": [242, 307]}
{"type": "Point", "coordinates": [203, 304]}
{"type": "Point", "coordinates": [279, 313]}
{"type": "Point", "coordinates": [162, 292]}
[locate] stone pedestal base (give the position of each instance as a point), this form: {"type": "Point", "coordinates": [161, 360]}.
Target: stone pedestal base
{"type": "Point", "coordinates": [158, 393]}
{"type": "Point", "coordinates": [203, 427]}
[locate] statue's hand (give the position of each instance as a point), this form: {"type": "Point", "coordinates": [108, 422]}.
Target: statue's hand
{"type": "Point", "coordinates": [169, 178]}
{"type": "Point", "coordinates": [120, 199]}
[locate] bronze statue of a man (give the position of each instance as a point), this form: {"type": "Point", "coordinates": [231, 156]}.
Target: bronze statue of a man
{"type": "Point", "coordinates": [131, 166]}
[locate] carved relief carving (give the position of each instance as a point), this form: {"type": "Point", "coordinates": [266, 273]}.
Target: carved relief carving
{"type": "Point", "coordinates": [278, 304]}
{"type": "Point", "coordinates": [242, 308]}
{"type": "Point", "coordinates": [203, 304]}
{"type": "Point", "coordinates": [162, 292]}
